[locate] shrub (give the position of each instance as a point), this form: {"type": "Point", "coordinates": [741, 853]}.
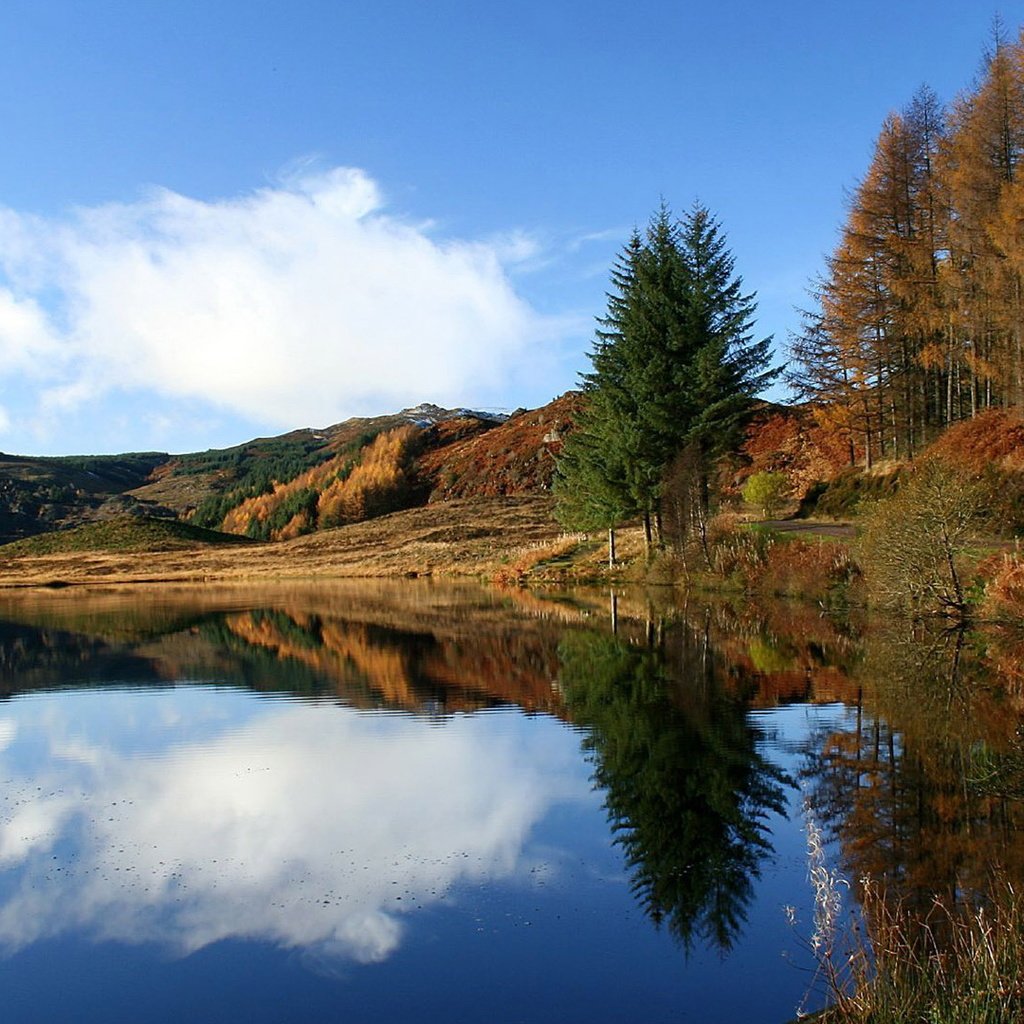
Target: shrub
{"type": "Point", "coordinates": [1004, 586]}
{"type": "Point", "coordinates": [914, 544]}
{"type": "Point", "coordinates": [764, 561]}
{"type": "Point", "coordinates": [843, 496]}
{"type": "Point", "coordinates": [766, 491]}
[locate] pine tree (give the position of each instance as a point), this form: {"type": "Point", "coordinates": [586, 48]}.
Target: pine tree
{"type": "Point", "coordinates": [674, 364]}
{"type": "Point", "coordinates": [595, 484]}
{"type": "Point", "coordinates": [590, 483]}
{"type": "Point", "coordinates": [719, 367]}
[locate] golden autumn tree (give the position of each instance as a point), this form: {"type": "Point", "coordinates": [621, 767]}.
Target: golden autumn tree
{"type": "Point", "coordinates": [861, 352]}
{"type": "Point", "coordinates": [833, 361]}
{"type": "Point", "coordinates": [344, 489]}
{"type": "Point", "coordinates": [381, 481]}
{"type": "Point", "coordinates": [980, 165]}
{"type": "Point", "coordinates": [919, 315]}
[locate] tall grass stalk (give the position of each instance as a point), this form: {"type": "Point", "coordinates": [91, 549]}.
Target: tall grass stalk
{"type": "Point", "coordinates": [947, 965]}
{"type": "Point", "coordinates": [830, 964]}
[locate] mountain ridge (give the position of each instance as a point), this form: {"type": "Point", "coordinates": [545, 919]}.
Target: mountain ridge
{"type": "Point", "coordinates": [41, 494]}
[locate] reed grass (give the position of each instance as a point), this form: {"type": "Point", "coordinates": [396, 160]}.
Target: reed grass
{"type": "Point", "coordinates": [951, 963]}
{"type": "Point", "coordinates": [957, 965]}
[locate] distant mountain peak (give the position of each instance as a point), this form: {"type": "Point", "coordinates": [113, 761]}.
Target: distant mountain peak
{"type": "Point", "coordinates": [427, 414]}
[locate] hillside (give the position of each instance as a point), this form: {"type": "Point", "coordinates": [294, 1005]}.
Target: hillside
{"type": "Point", "coordinates": [42, 494]}
{"type": "Point", "coordinates": [812, 451]}
{"type": "Point", "coordinates": [468, 537]}
{"type": "Point", "coordinates": [287, 487]}
{"type": "Point", "coordinates": [274, 488]}
{"type": "Point", "coordinates": [133, 533]}
{"type": "Point", "coordinates": [992, 440]}
{"type": "Point", "coordinates": [458, 497]}
{"type": "Point", "coordinates": [515, 458]}
{"type": "Point", "coordinates": [279, 488]}
{"type": "Point", "coordinates": [206, 485]}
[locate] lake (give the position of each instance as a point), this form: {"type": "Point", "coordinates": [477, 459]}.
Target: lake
{"type": "Point", "coordinates": [408, 802]}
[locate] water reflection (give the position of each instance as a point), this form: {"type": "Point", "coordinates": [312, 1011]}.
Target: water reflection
{"type": "Point", "coordinates": [311, 768]}
{"type": "Point", "coordinates": [911, 783]}
{"type": "Point", "coordinates": [306, 826]}
{"type": "Point", "coordinates": [687, 794]}
{"type": "Point", "coordinates": [395, 651]}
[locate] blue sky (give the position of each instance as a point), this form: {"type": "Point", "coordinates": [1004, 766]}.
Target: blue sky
{"type": "Point", "coordinates": [225, 219]}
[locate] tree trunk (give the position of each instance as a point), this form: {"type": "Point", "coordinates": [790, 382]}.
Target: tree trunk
{"type": "Point", "coordinates": [949, 380]}
{"type": "Point", "coordinates": [954, 577]}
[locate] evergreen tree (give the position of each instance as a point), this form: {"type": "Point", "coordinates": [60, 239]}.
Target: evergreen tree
{"type": "Point", "coordinates": [722, 367]}
{"type": "Point", "coordinates": [590, 482]}
{"type": "Point", "coordinates": [674, 365]}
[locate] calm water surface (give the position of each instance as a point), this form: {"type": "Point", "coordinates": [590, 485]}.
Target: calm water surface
{"type": "Point", "coordinates": [415, 804]}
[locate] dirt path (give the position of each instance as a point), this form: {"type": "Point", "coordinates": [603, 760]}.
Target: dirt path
{"type": "Point", "coordinates": [814, 527]}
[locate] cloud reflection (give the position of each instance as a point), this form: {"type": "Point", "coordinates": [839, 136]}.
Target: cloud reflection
{"type": "Point", "coordinates": [307, 826]}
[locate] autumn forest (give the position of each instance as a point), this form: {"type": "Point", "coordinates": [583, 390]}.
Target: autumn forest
{"type": "Point", "coordinates": [917, 317]}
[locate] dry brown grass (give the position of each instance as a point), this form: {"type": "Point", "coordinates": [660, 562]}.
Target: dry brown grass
{"type": "Point", "coordinates": [517, 571]}
{"type": "Point", "coordinates": [960, 964]}
{"type": "Point", "coordinates": [1003, 575]}
{"type": "Point", "coordinates": [503, 540]}
{"type": "Point", "coordinates": [472, 537]}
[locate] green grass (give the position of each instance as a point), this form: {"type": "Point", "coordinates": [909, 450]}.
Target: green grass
{"type": "Point", "coordinates": [125, 533]}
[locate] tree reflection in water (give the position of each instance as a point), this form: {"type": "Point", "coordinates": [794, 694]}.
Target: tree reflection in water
{"type": "Point", "coordinates": [686, 791]}
{"type": "Point", "coordinates": [919, 790]}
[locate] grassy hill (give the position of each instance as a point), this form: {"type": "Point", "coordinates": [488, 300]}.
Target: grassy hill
{"type": "Point", "coordinates": [474, 537]}
{"type": "Point", "coordinates": [124, 533]}
{"type": "Point", "coordinates": [284, 487]}
{"type": "Point", "coordinates": [41, 494]}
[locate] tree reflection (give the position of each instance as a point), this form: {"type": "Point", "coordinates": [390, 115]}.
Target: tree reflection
{"type": "Point", "coordinates": [915, 788]}
{"type": "Point", "coordinates": [687, 794]}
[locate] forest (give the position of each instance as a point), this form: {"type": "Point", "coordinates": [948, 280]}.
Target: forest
{"type": "Point", "coordinates": [917, 319]}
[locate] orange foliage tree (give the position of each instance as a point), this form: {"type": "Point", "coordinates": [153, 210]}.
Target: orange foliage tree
{"type": "Point", "coordinates": [341, 490]}
{"type": "Point", "coordinates": [918, 319]}
{"type": "Point", "coordinates": [381, 482]}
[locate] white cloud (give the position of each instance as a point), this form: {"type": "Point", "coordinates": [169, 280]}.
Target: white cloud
{"type": "Point", "coordinates": [295, 305]}
{"type": "Point", "coordinates": [27, 341]}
